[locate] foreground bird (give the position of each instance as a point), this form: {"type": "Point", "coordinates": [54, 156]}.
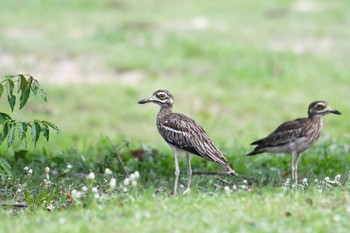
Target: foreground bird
{"type": "Point", "coordinates": [295, 136]}
{"type": "Point", "coordinates": [184, 134]}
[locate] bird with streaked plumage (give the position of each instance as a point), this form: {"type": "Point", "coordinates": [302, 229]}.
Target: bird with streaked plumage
{"type": "Point", "coordinates": [296, 136]}
{"type": "Point", "coordinates": [184, 135]}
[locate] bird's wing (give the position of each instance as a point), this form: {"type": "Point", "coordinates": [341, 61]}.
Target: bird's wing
{"type": "Point", "coordinates": [186, 134]}
{"type": "Point", "coordinates": [285, 133]}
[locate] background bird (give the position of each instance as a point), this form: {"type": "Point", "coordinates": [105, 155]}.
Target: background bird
{"type": "Point", "coordinates": [184, 134]}
{"type": "Point", "coordinates": [295, 136]}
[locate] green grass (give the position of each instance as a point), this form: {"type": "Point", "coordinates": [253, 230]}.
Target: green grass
{"type": "Point", "coordinates": [269, 210]}
{"type": "Point", "coordinates": [238, 68]}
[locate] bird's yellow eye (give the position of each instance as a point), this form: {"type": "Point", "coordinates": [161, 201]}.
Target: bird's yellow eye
{"type": "Point", "coordinates": [162, 96]}
{"type": "Point", "coordinates": [320, 106]}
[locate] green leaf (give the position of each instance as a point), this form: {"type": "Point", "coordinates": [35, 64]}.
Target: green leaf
{"type": "Point", "coordinates": [9, 87]}
{"type": "Point", "coordinates": [43, 94]}
{"type": "Point", "coordinates": [46, 131]}
{"type": "Point", "coordinates": [12, 101]}
{"type": "Point", "coordinates": [5, 131]}
{"type": "Point", "coordinates": [11, 134]}
{"type": "Point", "coordinates": [22, 83]}
{"type": "Point", "coordinates": [34, 85]}
{"type": "Point", "coordinates": [1, 89]}
{"type": "Point", "coordinates": [52, 126]}
{"type": "Point", "coordinates": [24, 97]}
{"type": "Point", "coordinates": [22, 130]}
{"type": "Point", "coordinates": [10, 97]}
{"type": "Point", "coordinates": [4, 117]}
{"type": "Point", "coordinates": [35, 132]}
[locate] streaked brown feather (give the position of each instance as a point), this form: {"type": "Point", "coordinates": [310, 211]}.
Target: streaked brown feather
{"type": "Point", "coordinates": [186, 134]}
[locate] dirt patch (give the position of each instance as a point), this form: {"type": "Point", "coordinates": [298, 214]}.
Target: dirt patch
{"type": "Point", "coordinates": [66, 70]}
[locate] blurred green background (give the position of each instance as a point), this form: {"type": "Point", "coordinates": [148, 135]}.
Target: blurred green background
{"type": "Point", "coordinates": [239, 68]}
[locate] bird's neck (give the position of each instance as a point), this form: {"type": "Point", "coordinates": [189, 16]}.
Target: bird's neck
{"type": "Point", "coordinates": [318, 119]}
{"type": "Point", "coordinates": [164, 110]}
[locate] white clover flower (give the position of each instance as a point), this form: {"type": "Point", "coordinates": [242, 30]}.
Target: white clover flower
{"type": "Point", "coordinates": [126, 181]}
{"type": "Point", "coordinates": [91, 176]}
{"type": "Point", "coordinates": [134, 183]}
{"type": "Point", "coordinates": [316, 180]}
{"type": "Point", "coordinates": [108, 171]}
{"type": "Point", "coordinates": [326, 179]}
{"type": "Point", "coordinates": [245, 182]}
{"type": "Point", "coordinates": [132, 177]}
{"type": "Point", "coordinates": [125, 190]}
{"type": "Point", "coordinates": [94, 189]}
{"type": "Point", "coordinates": [76, 194]}
{"type": "Point", "coordinates": [30, 171]}
{"type": "Point", "coordinates": [234, 188]}
{"type": "Point", "coordinates": [304, 181]}
{"type": "Point", "coordinates": [336, 218]}
{"type": "Point", "coordinates": [96, 196]}
{"type": "Point", "coordinates": [227, 189]}
{"type": "Point", "coordinates": [19, 190]}
{"type": "Point", "coordinates": [69, 166]}
{"type": "Point", "coordinates": [26, 168]}
{"type": "Point", "coordinates": [47, 170]}
{"type": "Point", "coordinates": [337, 177]}
{"type": "Point", "coordinates": [84, 188]}
{"type": "Point", "coordinates": [112, 183]}
{"type": "Point", "coordinates": [137, 174]}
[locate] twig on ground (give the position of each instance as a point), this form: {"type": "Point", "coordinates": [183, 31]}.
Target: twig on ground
{"type": "Point", "coordinates": [209, 173]}
{"type": "Point", "coordinates": [118, 156]}
{"type": "Point", "coordinates": [224, 181]}
{"type": "Point", "coordinates": [17, 205]}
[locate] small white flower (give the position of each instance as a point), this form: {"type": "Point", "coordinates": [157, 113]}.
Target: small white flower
{"type": "Point", "coordinates": [245, 182]}
{"type": "Point", "coordinates": [26, 168]}
{"type": "Point", "coordinates": [304, 181]}
{"type": "Point", "coordinates": [91, 176]}
{"type": "Point", "coordinates": [137, 174]}
{"type": "Point", "coordinates": [84, 188]}
{"type": "Point", "coordinates": [337, 177]}
{"type": "Point", "coordinates": [69, 166]}
{"type": "Point", "coordinates": [316, 181]}
{"type": "Point", "coordinates": [112, 183]}
{"type": "Point", "coordinates": [30, 171]}
{"type": "Point", "coordinates": [76, 194]}
{"type": "Point", "coordinates": [132, 177]}
{"type": "Point", "coordinates": [126, 181]}
{"type": "Point", "coordinates": [96, 196]}
{"type": "Point", "coordinates": [125, 190]}
{"type": "Point", "coordinates": [336, 218]}
{"type": "Point", "coordinates": [47, 170]}
{"type": "Point", "coordinates": [19, 190]}
{"type": "Point", "coordinates": [227, 189]}
{"type": "Point", "coordinates": [134, 183]}
{"type": "Point", "coordinates": [234, 187]}
{"type": "Point", "coordinates": [108, 171]}
{"type": "Point", "coordinates": [326, 179]}
{"type": "Point", "coordinates": [94, 190]}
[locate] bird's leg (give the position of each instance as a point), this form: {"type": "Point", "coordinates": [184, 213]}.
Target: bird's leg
{"type": "Point", "coordinates": [189, 174]}
{"type": "Point", "coordinates": [292, 166]}
{"type": "Point", "coordinates": [177, 170]}
{"type": "Point", "coordinates": [296, 166]}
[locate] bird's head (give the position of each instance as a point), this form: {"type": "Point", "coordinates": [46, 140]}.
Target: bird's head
{"type": "Point", "coordinates": [321, 108]}
{"type": "Point", "coordinates": [161, 97]}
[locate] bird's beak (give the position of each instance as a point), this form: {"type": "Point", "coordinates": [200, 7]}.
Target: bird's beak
{"type": "Point", "coordinates": [144, 101]}
{"type": "Point", "coordinates": [336, 112]}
